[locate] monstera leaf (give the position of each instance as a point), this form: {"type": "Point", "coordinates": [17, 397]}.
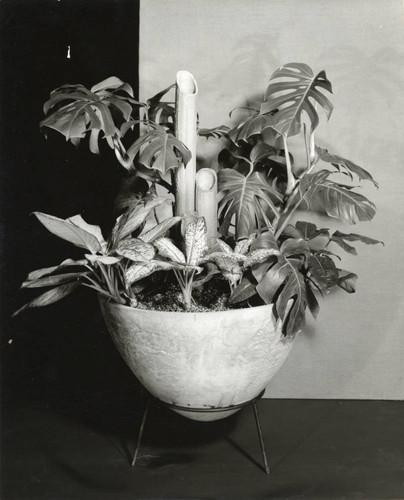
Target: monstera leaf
{"type": "Point", "coordinates": [285, 284]}
{"type": "Point", "coordinates": [347, 166]}
{"type": "Point", "coordinates": [159, 150]}
{"type": "Point", "coordinates": [336, 200]}
{"type": "Point", "coordinates": [161, 111]}
{"type": "Point", "coordinates": [77, 110]}
{"type": "Point", "coordinates": [242, 197]}
{"type": "Point", "coordinates": [254, 125]}
{"type": "Point", "coordinates": [293, 90]}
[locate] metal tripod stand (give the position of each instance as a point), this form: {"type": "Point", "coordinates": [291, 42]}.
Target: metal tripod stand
{"type": "Point", "coordinates": [207, 410]}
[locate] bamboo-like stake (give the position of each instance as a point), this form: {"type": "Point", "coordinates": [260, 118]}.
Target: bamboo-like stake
{"type": "Point", "coordinates": [206, 201]}
{"type": "Point", "coordinates": [185, 131]}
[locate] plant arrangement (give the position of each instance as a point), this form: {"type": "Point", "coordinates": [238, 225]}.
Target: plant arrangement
{"type": "Point", "coordinates": [242, 227]}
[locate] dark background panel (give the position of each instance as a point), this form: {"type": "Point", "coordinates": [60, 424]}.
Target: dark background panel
{"type": "Point", "coordinates": [63, 348]}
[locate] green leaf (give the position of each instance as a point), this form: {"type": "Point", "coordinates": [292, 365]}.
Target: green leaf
{"type": "Point", "coordinates": [241, 200]}
{"type": "Point", "coordinates": [78, 220]}
{"type": "Point", "coordinates": [56, 279]}
{"type": "Point", "coordinates": [347, 280]}
{"type": "Point", "coordinates": [254, 125]}
{"type": "Point", "coordinates": [265, 240]}
{"type": "Point", "coordinates": [136, 250]}
{"type": "Point", "coordinates": [354, 237]}
{"type": "Point", "coordinates": [295, 290]}
{"type": "Point", "coordinates": [322, 271]}
{"type": "Point", "coordinates": [335, 199]}
{"type": "Point", "coordinates": [159, 150]}
{"type": "Point", "coordinates": [50, 296]}
{"type": "Point", "coordinates": [293, 246]}
{"type": "Point", "coordinates": [166, 248]}
{"type": "Point", "coordinates": [348, 166]}
{"type": "Point", "coordinates": [308, 230]}
{"type": "Point", "coordinates": [269, 285]}
{"type": "Point", "coordinates": [216, 132]}
{"type": "Point", "coordinates": [159, 230]}
{"type": "Point", "coordinates": [312, 302]}
{"type": "Point", "coordinates": [113, 83]}
{"type": "Point", "coordinates": [39, 273]}
{"type": "Point", "coordinates": [196, 241]}
{"type": "Point", "coordinates": [291, 92]}
{"type": "Point", "coordinates": [260, 255]}
{"type": "Point", "coordinates": [138, 271]}
{"type": "Point", "coordinates": [108, 260]}
{"type": "Point", "coordinates": [69, 232]}
{"type": "Point", "coordinates": [243, 291]}
{"type": "Point", "coordinates": [243, 245]}
{"type": "Point", "coordinates": [132, 219]}
{"type": "Point", "coordinates": [77, 110]}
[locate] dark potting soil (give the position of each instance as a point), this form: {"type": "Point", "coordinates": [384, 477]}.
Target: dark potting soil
{"type": "Point", "coordinates": [214, 296]}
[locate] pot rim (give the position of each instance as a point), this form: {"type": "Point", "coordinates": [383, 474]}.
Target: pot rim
{"type": "Point", "coordinates": [240, 311]}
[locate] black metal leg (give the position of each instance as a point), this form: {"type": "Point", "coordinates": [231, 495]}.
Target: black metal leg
{"type": "Point", "coordinates": [264, 455]}
{"type": "Point", "coordinates": [139, 439]}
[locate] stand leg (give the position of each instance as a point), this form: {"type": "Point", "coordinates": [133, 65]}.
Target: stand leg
{"type": "Point", "coordinates": [264, 455]}
{"type": "Point", "coordinates": [139, 439]}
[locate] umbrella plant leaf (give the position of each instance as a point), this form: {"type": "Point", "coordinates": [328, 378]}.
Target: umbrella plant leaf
{"type": "Point", "coordinates": [69, 232]}
{"type": "Point", "coordinates": [347, 280]}
{"type": "Point", "coordinates": [292, 93]}
{"type": "Point", "coordinates": [308, 230]}
{"type": "Point", "coordinates": [347, 165]}
{"type": "Point", "coordinates": [322, 270]}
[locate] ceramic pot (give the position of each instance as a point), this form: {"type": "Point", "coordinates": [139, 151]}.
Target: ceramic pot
{"type": "Point", "coordinates": [206, 360]}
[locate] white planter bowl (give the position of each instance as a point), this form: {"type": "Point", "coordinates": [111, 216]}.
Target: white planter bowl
{"type": "Point", "coordinates": [199, 360]}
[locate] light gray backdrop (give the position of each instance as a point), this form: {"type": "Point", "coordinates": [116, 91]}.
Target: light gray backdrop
{"type": "Point", "coordinates": [356, 347]}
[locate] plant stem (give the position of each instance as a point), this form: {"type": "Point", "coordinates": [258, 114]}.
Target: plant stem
{"type": "Point", "coordinates": [291, 180]}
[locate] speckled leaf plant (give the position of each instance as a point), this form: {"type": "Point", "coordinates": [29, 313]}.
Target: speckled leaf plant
{"type": "Point", "coordinates": [263, 253]}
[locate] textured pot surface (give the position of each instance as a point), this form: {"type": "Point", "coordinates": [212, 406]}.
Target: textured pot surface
{"type": "Point", "coordinates": [199, 360]}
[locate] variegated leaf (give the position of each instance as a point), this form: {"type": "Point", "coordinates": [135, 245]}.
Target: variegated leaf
{"type": "Point", "coordinates": [69, 232]}
{"type": "Point", "coordinates": [224, 246]}
{"type": "Point", "coordinates": [196, 242]}
{"type": "Point", "coordinates": [136, 250]}
{"type": "Point", "coordinates": [108, 260]}
{"type": "Point", "coordinates": [39, 273]}
{"type": "Point", "coordinates": [243, 245]}
{"type": "Point", "coordinates": [166, 248]}
{"type": "Point", "coordinates": [90, 228]}
{"type": "Point", "coordinates": [138, 271]}
{"type": "Point", "coordinates": [53, 280]}
{"type": "Point", "coordinates": [260, 255]}
{"type": "Point", "coordinates": [50, 296]}
{"type": "Point", "coordinates": [159, 230]}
